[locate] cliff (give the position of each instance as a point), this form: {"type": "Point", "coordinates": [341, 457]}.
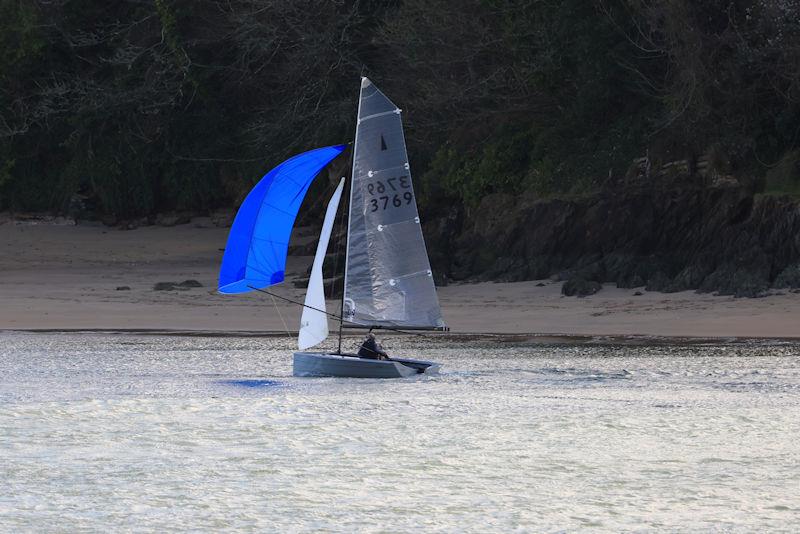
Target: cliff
{"type": "Point", "coordinates": [665, 234]}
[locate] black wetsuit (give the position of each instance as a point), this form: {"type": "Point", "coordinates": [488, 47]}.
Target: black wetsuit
{"type": "Point", "coordinates": [372, 349]}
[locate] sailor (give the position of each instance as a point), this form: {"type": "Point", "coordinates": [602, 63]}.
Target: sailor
{"type": "Point", "coordinates": [371, 349]}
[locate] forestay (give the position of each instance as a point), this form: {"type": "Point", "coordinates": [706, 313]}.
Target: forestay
{"type": "Point", "coordinates": [314, 322]}
{"type": "Point", "coordinates": [255, 255]}
{"type": "Point", "coordinates": [388, 279]}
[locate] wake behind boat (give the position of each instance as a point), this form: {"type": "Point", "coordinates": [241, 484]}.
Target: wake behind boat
{"type": "Point", "coordinates": [388, 281]}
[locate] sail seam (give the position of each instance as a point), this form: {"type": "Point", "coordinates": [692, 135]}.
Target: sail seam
{"type": "Point", "coordinates": [396, 111]}
{"type": "Point", "coordinates": [276, 208]}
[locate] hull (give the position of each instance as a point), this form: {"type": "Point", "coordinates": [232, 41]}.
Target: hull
{"type": "Point", "coordinates": [350, 365]}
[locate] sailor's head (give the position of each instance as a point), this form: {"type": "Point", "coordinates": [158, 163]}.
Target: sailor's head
{"type": "Point", "coordinates": [370, 335]}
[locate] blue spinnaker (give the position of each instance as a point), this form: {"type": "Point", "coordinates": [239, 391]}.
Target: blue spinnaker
{"type": "Point", "coordinates": [255, 256]}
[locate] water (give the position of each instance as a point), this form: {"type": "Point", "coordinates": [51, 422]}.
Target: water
{"type": "Point", "coordinates": [144, 433]}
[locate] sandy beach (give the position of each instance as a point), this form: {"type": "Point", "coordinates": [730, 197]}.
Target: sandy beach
{"type": "Point", "coordinates": [63, 277]}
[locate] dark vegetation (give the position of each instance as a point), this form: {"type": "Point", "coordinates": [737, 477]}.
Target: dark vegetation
{"type": "Point", "coordinates": [628, 140]}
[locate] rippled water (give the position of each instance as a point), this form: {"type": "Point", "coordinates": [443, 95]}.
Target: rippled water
{"type": "Point", "coordinates": [143, 433]}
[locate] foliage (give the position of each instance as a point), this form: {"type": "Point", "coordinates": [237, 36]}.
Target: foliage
{"type": "Point", "coordinates": [183, 104]}
{"type": "Point", "coordinates": [784, 178]}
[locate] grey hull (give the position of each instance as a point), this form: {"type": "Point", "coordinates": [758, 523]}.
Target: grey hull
{"type": "Point", "coordinates": [348, 365]}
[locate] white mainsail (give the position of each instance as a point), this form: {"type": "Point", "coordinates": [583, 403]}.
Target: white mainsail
{"type": "Point", "coordinates": [388, 279]}
{"type": "Point", "coordinates": [314, 321]}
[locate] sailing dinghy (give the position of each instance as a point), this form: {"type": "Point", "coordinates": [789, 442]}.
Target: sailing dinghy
{"type": "Point", "coordinates": [388, 281]}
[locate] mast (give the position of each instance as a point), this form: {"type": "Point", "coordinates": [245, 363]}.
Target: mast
{"type": "Point", "coordinates": [346, 214]}
{"type": "Point", "coordinates": [349, 207]}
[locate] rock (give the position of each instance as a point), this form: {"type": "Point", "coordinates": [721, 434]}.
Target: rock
{"type": "Point", "coordinates": [667, 234]}
{"type": "Point", "coordinates": [189, 283]}
{"type": "Point", "coordinates": [223, 218]}
{"type": "Point", "coordinates": [658, 282]}
{"type": "Point", "coordinates": [631, 282]}
{"type": "Point", "coordinates": [300, 283]}
{"type": "Point", "coordinates": [734, 280]}
{"type": "Point", "coordinates": [82, 207]}
{"type": "Point", "coordinates": [164, 286]}
{"type": "Point", "coordinates": [64, 221]}
{"type": "Point", "coordinates": [133, 224]}
{"type": "Point", "coordinates": [490, 219]}
{"type": "Point", "coordinates": [580, 287]}
{"type": "Point", "coordinates": [632, 270]}
{"type": "Point", "coordinates": [541, 284]}
{"type": "Point", "coordinates": [123, 288]}
{"type": "Point", "coordinates": [173, 219]}
{"type": "Point", "coordinates": [202, 222]}
{"type": "Point", "coordinates": [76, 208]}
{"type": "Point", "coordinates": [689, 278]}
{"type": "Point", "coordinates": [788, 278]}
{"type": "Point", "coordinates": [638, 294]}
{"type": "Point", "coordinates": [593, 271]}
{"type": "Point", "coordinates": [506, 269]}
{"type": "Point", "coordinates": [750, 285]}
{"type": "Point", "coordinates": [36, 219]}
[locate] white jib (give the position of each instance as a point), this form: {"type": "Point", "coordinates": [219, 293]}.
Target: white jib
{"type": "Point", "coordinates": [314, 321]}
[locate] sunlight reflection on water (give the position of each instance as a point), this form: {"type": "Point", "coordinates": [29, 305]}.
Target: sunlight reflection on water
{"type": "Point", "coordinates": [134, 432]}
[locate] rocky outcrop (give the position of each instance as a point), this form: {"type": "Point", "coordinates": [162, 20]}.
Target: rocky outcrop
{"type": "Point", "coordinates": [711, 235]}
{"type": "Point", "coordinates": [789, 278]}
{"type": "Point", "coordinates": [580, 287]}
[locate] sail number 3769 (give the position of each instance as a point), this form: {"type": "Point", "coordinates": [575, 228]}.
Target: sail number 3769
{"type": "Point", "coordinates": [390, 193]}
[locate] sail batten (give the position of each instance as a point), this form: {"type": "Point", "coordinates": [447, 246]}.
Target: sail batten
{"type": "Point", "coordinates": [388, 280]}
{"type": "Point", "coordinates": [376, 115]}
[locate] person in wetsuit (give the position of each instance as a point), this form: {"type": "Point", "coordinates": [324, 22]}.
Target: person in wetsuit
{"type": "Point", "coordinates": [371, 349]}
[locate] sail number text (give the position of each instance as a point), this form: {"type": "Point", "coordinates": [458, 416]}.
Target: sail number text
{"type": "Point", "coordinates": [390, 193]}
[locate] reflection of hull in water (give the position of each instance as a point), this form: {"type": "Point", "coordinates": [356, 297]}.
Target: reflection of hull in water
{"type": "Point", "coordinates": [350, 365]}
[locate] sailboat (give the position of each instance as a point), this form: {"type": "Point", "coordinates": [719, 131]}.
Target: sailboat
{"type": "Point", "coordinates": [388, 283]}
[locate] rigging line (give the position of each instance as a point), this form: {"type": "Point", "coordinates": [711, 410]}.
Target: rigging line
{"type": "Point", "coordinates": [286, 328]}
{"type": "Point", "coordinates": [339, 317]}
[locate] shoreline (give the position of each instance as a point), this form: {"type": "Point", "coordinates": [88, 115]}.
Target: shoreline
{"type": "Point", "coordinates": [521, 338]}
{"type": "Point", "coordinates": [92, 278]}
